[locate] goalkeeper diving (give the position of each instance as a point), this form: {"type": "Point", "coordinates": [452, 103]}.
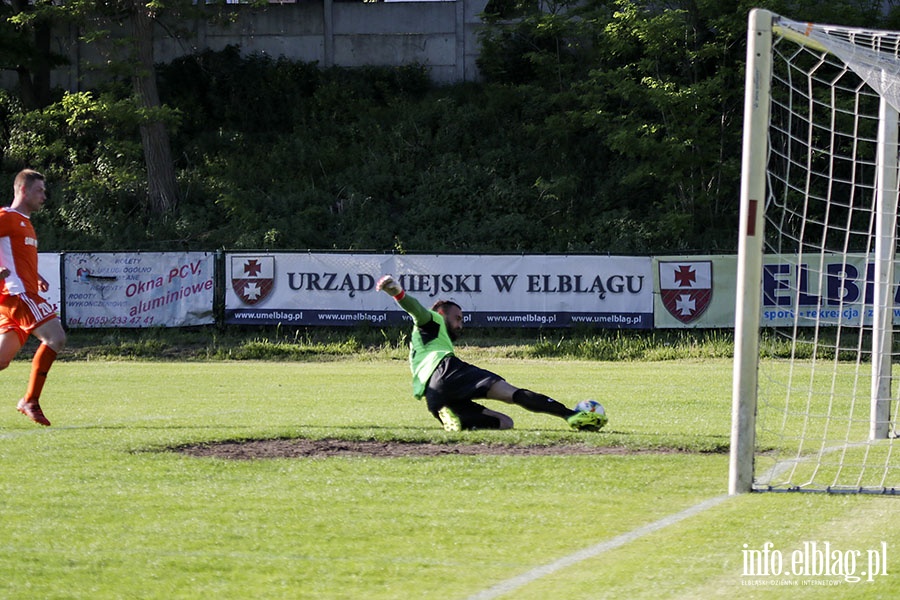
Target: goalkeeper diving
{"type": "Point", "coordinates": [450, 386]}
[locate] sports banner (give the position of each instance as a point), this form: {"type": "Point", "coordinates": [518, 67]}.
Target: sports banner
{"type": "Point", "coordinates": [823, 289]}
{"type": "Point", "coordinates": [494, 291]}
{"type": "Point", "coordinates": [700, 291]}
{"type": "Point", "coordinates": [139, 289]}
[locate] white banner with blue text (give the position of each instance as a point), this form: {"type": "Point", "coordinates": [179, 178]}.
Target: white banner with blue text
{"type": "Point", "coordinates": [493, 290]}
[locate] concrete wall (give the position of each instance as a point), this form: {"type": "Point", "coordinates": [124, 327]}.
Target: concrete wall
{"type": "Point", "coordinates": [442, 35]}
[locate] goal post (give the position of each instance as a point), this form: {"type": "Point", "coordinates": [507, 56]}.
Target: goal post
{"type": "Point", "coordinates": [816, 260]}
{"type": "Point", "coordinates": [883, 282]}
{"type": "Point", "coordinates": [750, 249]}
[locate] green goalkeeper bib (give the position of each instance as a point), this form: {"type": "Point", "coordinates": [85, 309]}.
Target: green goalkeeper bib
{"type": "Point", "coordinates": [426, 351]}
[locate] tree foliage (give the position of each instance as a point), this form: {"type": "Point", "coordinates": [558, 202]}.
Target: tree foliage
{"type": "Point", "coordinates": [30, 24]}
{"type": "Point", "coordinates": [608, 126]}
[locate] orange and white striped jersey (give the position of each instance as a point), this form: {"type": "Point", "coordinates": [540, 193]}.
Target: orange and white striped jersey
{"type": "Point", "coordinates": [18, 253]}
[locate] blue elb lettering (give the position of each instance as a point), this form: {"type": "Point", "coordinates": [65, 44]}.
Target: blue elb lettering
{"type": "Point", "coordinates": [841, 284]}
{"type": "Point", "coordinates": [774, 282]}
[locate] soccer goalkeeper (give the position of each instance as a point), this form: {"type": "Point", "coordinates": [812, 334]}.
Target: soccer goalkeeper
{"type": "Point", "coordinates": [450, 385]}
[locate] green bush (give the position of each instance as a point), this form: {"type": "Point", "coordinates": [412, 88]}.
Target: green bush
{"type": "Point", "coordinates": [606, 126]}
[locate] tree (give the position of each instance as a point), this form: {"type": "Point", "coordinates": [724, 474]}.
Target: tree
{"type": "Point", "coordinates": [25, 35]}
{"type": "Point", "coordinates": [658, 87]}
{"type": "Point", "coordinates": [142, 18]}
{"type": "Point", "coordinates": [162, 185]}
{"type": "Point", "coordinates": [27, 50]}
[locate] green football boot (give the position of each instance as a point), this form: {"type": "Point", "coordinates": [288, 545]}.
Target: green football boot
{"type": "Point", "coordinates": [587, 421]}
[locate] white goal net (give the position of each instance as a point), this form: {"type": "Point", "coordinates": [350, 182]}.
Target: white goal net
{"type": "Point", "coordinates": [817, 277]}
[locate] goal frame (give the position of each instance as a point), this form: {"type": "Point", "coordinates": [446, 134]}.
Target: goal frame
{"type": "Point", "coordinates": [751, 247]}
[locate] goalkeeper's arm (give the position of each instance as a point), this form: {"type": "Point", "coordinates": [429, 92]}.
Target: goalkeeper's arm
{"type": "Point", "coordinates": [419, 313]}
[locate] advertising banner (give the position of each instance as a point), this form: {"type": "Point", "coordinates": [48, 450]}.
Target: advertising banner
{"type": "Point", "coordinates": [823, 289]}
{"type": "Point", "coordinates": [494, 291]}
{"type": "Point", "coordinates": [806, 290]}
{"type": "Point", "coordinates": [139, 289]}
{"type": "Point", "coordinates": [48, 268]}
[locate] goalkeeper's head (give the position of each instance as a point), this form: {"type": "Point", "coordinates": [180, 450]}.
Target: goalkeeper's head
{"type": "Point", "coordinates": [453, 317]}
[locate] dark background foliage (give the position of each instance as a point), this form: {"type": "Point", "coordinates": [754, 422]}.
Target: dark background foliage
{"type": "Point", "coordinates": [601, 127]}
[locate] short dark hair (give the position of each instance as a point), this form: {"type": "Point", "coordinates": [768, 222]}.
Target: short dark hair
{"type": "Point", "coordinates": [27, 177]}
{"type": "Point", "coordinates": [441, 304]}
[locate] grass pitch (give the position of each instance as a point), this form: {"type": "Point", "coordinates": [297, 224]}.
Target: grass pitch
{"type": "Point", "coordinates": [98, 506]}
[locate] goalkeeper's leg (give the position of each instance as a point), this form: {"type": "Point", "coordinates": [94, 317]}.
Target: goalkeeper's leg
{"type": "Point", "coordinates": [466, 414]}
{"type": "Point", "coordinates": [533, 401]}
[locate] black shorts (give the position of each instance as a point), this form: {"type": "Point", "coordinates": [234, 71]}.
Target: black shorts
{"type": "Point", "coordinates": [456, 384]}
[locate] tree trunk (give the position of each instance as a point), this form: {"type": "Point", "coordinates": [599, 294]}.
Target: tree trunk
{"type": "Point", "coordinates": [162, 188]}
{"type": "Point", "coordinates": [34, 77]}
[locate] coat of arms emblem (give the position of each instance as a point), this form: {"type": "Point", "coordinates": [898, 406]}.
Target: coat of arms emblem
{"type": "Point", "coordinates": [252, 277]}
{"type": "Point", "coordinates": [685, 288]}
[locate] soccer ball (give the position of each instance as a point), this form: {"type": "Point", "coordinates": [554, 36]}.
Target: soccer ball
{"type": "Point", "coordinates": [590, 406]}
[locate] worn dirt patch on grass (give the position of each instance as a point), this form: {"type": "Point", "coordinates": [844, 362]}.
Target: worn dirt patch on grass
{"type": "Point", "coordinates": [329, 447]}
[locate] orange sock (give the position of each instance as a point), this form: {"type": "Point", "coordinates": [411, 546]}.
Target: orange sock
{"type": "Point", "coordinates": [40, 366]}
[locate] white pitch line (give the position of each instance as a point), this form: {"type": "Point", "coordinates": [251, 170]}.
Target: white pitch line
{"type": "Point", "coordinates": [505, 587]}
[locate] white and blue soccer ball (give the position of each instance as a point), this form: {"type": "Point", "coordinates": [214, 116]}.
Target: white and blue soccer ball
{"type": "Point", "coordinates": [590, 406]}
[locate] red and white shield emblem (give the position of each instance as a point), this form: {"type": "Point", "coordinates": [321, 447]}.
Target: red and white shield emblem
{"type": "Point", "coordinates": [685, 288]}
{"type": "Point", "coordinates": [252, 278]}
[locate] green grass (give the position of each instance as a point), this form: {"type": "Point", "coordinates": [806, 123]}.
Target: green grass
{"type": "Point", "coordinates": [279, 343]}
{"type": "Point", "coordinates": [96, 507]}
